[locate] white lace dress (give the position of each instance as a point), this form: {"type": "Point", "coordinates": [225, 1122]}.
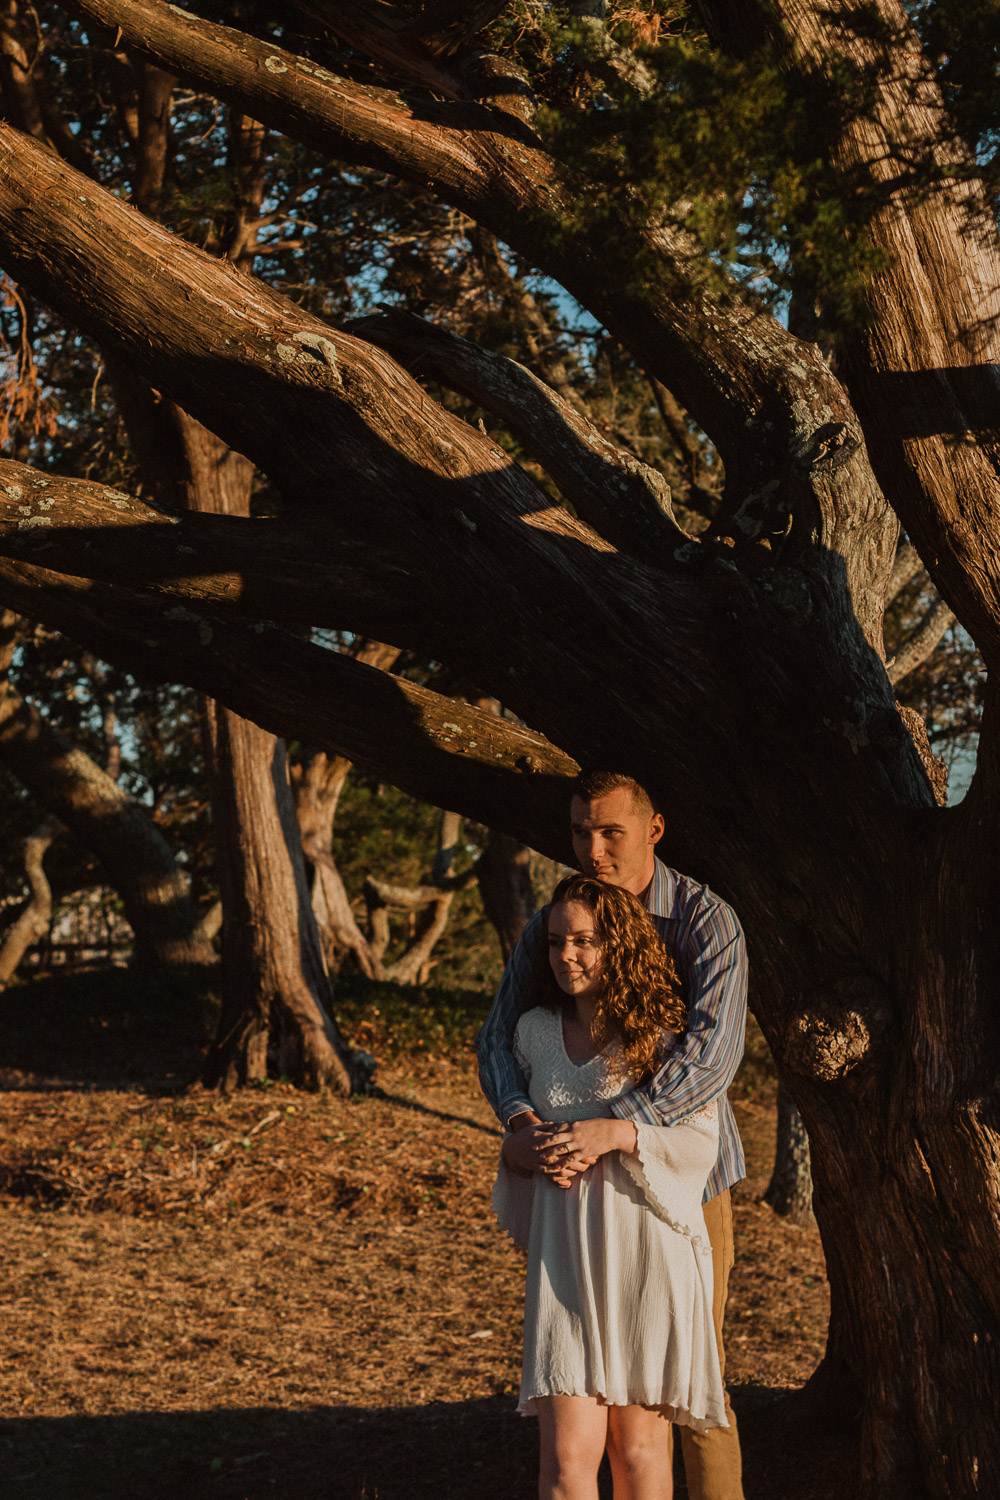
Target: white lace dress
{"type": "Point", "coordinates": [618, 1302]}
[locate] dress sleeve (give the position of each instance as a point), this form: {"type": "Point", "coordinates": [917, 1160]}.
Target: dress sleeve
{"type": "Point", "coordinates": [671, 1165]}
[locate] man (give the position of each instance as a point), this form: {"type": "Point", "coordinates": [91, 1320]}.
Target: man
{"type": "Point", "coordinates": [615, 831]}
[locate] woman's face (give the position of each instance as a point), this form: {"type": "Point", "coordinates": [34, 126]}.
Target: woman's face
{"type": "Point", "coordinates": [575, 952]}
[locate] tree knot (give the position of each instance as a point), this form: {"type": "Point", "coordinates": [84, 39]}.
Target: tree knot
{"type": "Point", "coordinates": [829, 448]}
{"type": "Point", "coordinates": [836, 1027]}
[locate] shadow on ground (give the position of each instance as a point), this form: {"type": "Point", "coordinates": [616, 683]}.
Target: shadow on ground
{"type": "Point", "coordinates": [446, 1451]}
{"type": "Point", "coordinates": [103, 1029]}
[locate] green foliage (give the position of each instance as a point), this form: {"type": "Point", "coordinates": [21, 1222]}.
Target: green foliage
{"type": "Point", "coordinates": [739, 154]}
{"type": "Point", "coordinates": [963, 42]}
{"type": "Point", "coordinates": [658, 127]}
{"type": "Point", "coordinates": [389, 1019]}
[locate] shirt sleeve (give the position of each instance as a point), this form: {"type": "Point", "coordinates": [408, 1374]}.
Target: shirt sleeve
{"type": "Point", "coordinates": [712, 957]}
{"type": "Point", "coordinates": [500, 1077]}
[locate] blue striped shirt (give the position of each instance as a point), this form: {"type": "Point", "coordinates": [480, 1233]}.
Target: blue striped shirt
{"type": "Point", "coordinates": [706, 940]}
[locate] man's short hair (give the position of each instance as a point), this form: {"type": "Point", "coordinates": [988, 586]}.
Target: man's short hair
{"type": "Point", "coordinates": [590, 785]}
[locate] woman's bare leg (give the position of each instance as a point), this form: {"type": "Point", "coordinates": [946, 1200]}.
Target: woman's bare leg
{"type": "Point", "coordinates": [639, 1451]}
{"type": "Point", "coordinates": [573, 1431]}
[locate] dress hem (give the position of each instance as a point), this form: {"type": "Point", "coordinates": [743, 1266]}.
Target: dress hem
{"type": "Point", "coordinates": [674, 1413]}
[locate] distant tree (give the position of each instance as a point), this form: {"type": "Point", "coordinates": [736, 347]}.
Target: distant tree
{"type": "Point", "coordinates": [109, 823]}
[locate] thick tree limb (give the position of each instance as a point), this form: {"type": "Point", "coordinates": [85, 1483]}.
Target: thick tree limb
{"type": "Point", "coordinates": [906, 566]}
{"type": "Point", "coordinates": [264, 568]}
{"type": "Point", "coordinates": [388, 35]}
{"type": "Point", "coordinates": [787, 434]}
{"type": "Point", "coordinates": [436, 748]}
{"type": "Point", "coordinates": [918, 647]}
{"type": "Point", "coordinates": [625, 500]}
{"type": "Point", "coordinates": [925, 368]}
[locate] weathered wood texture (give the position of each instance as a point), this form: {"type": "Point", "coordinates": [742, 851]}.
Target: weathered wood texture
{"type": "Point", "coordinates": [276, 979]}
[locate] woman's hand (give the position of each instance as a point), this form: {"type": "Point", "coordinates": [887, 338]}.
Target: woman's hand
{"type": "Point", "coordinates": [590, 1139]}
{"type": "Point", "coordinates": [527, 1149]}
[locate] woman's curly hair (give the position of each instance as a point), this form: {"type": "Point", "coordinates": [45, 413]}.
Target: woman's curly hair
{"type": "Point", "coordinates": [640, 995]}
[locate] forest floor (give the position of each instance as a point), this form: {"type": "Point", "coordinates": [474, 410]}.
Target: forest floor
{"type": "Point", "coordinates": [292, 1295]}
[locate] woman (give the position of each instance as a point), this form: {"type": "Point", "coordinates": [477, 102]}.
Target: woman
{"type": "Point", "coordinates": [618, 1333]}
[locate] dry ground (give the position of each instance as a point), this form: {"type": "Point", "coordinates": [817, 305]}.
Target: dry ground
{"type": "Point", "coordinates": [281, 1294]}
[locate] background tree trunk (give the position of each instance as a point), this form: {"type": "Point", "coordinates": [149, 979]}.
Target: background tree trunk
{"type": "Point", "coordinates": [790, 1190]}
{"type": "Point", "coordinates": [504, 873]}
{"type": "Point", "coordinates": [33, 923]}
{"type": "Point", "coordinates": [277, 998]}
{"type": "Point", "coordinates": [317, 780]}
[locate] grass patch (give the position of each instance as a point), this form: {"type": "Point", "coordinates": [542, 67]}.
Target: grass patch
{"type": "Point", "coordinates": [392, 1020]}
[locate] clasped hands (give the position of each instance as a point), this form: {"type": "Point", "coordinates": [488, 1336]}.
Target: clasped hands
{"type": "Point", "coordinates": [561, 1151]}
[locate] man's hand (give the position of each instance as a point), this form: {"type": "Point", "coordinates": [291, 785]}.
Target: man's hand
{"type": "Point", "coordinates": [523, 1144]}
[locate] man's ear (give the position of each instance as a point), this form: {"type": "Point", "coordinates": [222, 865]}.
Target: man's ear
{"type": "Point", "coordinates": [657, 828]}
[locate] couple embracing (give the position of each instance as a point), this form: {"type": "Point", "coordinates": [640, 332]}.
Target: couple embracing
{"type": "Point", "coordinates": [617, 1028]}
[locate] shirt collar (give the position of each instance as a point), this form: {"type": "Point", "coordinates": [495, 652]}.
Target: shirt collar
{"type": "Point", "coordinates": [662, 887]}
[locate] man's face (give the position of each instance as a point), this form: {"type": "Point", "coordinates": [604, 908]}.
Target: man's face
{"type": "Point", "coordinates": [614, 841]}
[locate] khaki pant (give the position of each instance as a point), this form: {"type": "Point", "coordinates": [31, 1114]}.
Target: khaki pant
{"type": "Point", "coordinates": [712, 1462]}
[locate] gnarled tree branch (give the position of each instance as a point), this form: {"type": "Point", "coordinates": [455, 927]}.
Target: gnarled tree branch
{"type": "Point", "coordinates": [438, 749]}
{"type": "Point", "coordinates": [625, 500]}
{"type": "Point", "coordinates": [918, 646]}
{"type": "Point", "coordinates": [778, 416]}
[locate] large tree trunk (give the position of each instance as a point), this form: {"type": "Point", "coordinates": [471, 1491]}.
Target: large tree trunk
{"type": "Point", "coordinates": [277, 997]}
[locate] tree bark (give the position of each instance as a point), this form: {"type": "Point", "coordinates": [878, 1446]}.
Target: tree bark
{"type": "Point", "coordinates": [33, 923]}
{"type": "Point", "coordinates": [504, 871]}
{"type": "Point", "coordinates": [277, 998]}
{"type": "Point", "coordinates": [273, 1016]}
{"type": "Point", "coordinates": [318, 780]}
{"type": "Point", "coordinates": [790, 1191]}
